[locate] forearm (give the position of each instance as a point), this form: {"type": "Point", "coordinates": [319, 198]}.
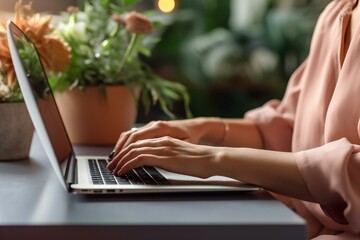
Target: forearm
{"type": "Point", "coordinates": [271, 170]}
{"type": "Point", "coordinates": [230, 132]}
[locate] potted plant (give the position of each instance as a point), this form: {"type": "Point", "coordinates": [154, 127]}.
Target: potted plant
{"type": "Point", "coordinates": [16, 128]}
{"type": "Point", "coordinates": [98, 93]}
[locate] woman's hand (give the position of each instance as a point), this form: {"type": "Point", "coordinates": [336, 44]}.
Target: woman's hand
{"type": "Point", "coordinates": [167, 153]}
{"type": "Point", "coordinates": [271, 170]}
{"type": "Point", "coordinates": [186, 130]}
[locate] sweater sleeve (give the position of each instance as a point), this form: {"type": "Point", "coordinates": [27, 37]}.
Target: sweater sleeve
{"type": "Point", "coordinates": [276, 118]}
{"type": "Point", "coordinates": [331, 173]}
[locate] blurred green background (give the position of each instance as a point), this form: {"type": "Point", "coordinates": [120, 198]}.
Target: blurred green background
{"type": "Point", "coordinates": [233, 55]}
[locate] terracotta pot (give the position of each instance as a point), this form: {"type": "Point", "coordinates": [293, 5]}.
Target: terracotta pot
{"type": "Point", "coordinates": [94, 119]}
{"type": "Point", "coordinates": [16, 131]}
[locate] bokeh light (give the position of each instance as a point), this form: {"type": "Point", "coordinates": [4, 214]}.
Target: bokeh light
{"type": "Point", "coordinates": [166, 6]}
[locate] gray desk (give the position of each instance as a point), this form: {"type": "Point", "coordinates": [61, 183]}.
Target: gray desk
{"type": "Point", "coordinates": [34, 206]}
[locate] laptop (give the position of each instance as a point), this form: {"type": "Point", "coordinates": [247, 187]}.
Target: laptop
{"type": "Point", "coordinates": [89, 174]}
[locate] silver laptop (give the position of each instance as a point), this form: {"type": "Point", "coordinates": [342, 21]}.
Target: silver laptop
{"type": "Point", "coordinates": [89, 174]}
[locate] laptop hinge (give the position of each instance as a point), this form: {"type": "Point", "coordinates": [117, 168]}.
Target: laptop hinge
{"type": "Point", "coordinates": [70, 172]}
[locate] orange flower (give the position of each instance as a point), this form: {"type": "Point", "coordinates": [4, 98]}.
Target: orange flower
{"type": "Point", "coordinates": [138, 23]}
{"type": "Point", "coordinates": [54, 53]}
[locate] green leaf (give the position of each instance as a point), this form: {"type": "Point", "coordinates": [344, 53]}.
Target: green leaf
{"type": "Point", "coordinates": [157, 24]}
{"type": "Point", "coordinates": [129, 2]}
{"type": "Point", "coordinates": [164, 107]}
{"type": "Point", "coordinates": [145, 100]}
{"type": "Point", "coordinates": [105, 3]}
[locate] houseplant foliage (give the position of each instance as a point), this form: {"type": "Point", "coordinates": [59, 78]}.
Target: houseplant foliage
{"type": "Point", "coordinates": [241, 58]}
{"type": "Point", "coordinates": [106, 47]}
{"type": "Point", "coordinates": [54, 53]}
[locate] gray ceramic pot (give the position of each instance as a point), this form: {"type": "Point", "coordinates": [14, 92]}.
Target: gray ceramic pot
{"type": "Point", "coordinates": [16, 131]}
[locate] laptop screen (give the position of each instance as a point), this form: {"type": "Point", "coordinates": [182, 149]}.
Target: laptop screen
{"type": "Point", "coordinates": [44, 98]}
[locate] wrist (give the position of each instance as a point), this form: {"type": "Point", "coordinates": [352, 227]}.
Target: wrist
{"type": "Point", "coordinates": [212, 130]}
{"type": "Point", "coordinates": [225, 134]}
{"type": "Point", "coordinates": [218, 161]}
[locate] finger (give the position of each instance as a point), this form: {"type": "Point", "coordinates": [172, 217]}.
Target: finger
{"type": "Point", "coordinates": [173, 159]}
{"type": "Point", "coordinates": [153, 143]}
{"type": "Point", "coordinates": [122, 139]}
{"type": "Point", "coordinates": [156, 130]}
{"type": "Point", "coordinates": [141, 160]}
{"type": "Point", "coordinates": [164, 162]}
{"type": "Point", "coordinates": [118, 155]}
{"type": "Point", "coordinates": [137, 152]}
{"type": "Point", "coordinates": [152, 130]}
{"type": "Point", "coordinates": [128, 137]}
{"type": "Point", "coordinates": [121, 152]}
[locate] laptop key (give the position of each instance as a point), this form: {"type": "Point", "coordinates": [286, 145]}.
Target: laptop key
{"type": "Point", "coordinates": [96, 178]}
{"type": "Point", "coordinates": [133, 178]}
{"type": "Point", "coordinates": [145, 177]}
{"type": "Point", "coordinates": [110, 181]}
{"type": "Point", "coordinates": [158, 177]}
{"type": "Point", "coordinates": [98, 182]}
{"type": "Point", "coordinates": [122, 180]}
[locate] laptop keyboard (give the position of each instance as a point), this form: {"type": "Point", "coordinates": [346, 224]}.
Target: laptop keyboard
{"type": "Point", "coordinates": [100, 175]}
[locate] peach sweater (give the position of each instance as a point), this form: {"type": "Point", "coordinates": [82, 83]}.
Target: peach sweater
{"type": "Point", "coordinates": [318, 119]}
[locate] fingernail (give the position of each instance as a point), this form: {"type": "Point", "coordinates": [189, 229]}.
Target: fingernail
{"type": "Point", "coordinates": [112, 154]}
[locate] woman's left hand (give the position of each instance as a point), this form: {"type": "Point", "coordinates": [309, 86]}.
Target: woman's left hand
{"type": "Point", "coordinates": [167, 153]}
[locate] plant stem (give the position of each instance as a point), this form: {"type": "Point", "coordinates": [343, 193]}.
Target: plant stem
{"type": "Point", "coordinates": [128, 51]}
